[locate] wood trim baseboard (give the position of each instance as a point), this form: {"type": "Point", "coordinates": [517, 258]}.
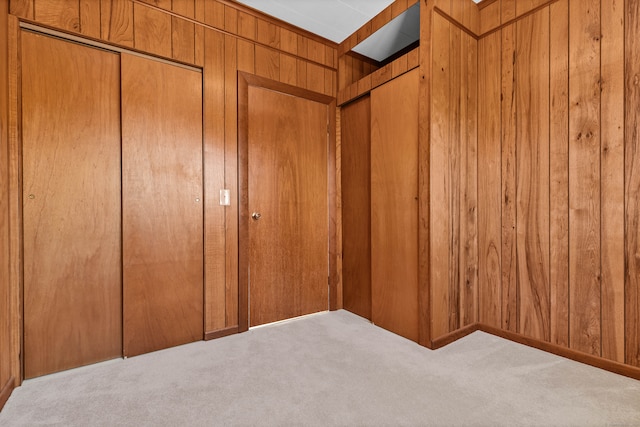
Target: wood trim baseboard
{"type": "Point", "coordinates": [454, 336]}
{"type": "Point", "coordinates": [589, 359]}
{"type": "Point", "coordinates": [221, 333]}
{"type": "Point", "coordinates": [6, 392]}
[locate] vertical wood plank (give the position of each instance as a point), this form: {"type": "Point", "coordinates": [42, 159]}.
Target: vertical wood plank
{"type": "Point", "coordinates": [183, 40]}
{"type": "Point", "coordinates": [612, 180]}
{"type": "Point", "coordinates": [183, 32]}
{"type": "Point", "coordinates": [117, 21]}
{"type": "Point", "coordinates": [301, 64]}
{"type": "Point", "coordinates": [424, 176]}
{"type": "Point", "coordinates": [632, 182]}
{"type": "Point", "coordinates": [184, 8]}
{"type": "Point", "coordinates": [454, 170]}
{"type": "Point", "coordinates": [15, 200]}
{"type": "Point", "coordinates": [315, 78]}
{"type": "Point", "coordinates": [440, 185]}
{"type": "Point", "coordinates": [507, 10]}
{"type": "Point", "coordinates": [532, 113]}
{"type": "Point", "coordinates": [214, 156]}
{"type": "Point", "coordinates": [199, 36]}
{"type": "Point", "coordinates": [64, 14]}
{"type": "Point", "coordinates": [214, 14]}
{"type": "Point", "coordinates": [524, 6]}
{"type": "Point", "coordinates": [584, 176]}
{"type": "Point", "coordinates": [288, 69]}
{"type": "Point", "coordinates": [231, 179]}
{"type": "Point", "coordinates": [22, 8]}
{"type": "Point", "coordinates": [231, 19]}
{"type": "Point", "coordinates": [246, 25]}
{"type": "Point", "coordinates": [268, 34]}
{"type": "Point", "coordinates": [90, 18]}
{"type": "Point", "coordinates": [246, 56]}
{"type": "Point", "coordinates": [489, 200]}
{"type": "Point", "coordinates": [267, 62]}
{"type": "Point", "coordinates": [152, 30]}
{"type": "Point", "coordinates": [509, 273]}
{"type": "Point", "coordinates": [559, 173]}
{"type": "Point", "coordinates": [6, 310]}
{"type": "Point", "coordinates": [490, 17]}
{"type": "Point", "coordinates": [469, 182]}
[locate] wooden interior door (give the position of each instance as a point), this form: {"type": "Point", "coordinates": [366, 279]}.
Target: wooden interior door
{"type": "Point", "coordinates": [162, 205]}
{"type": "Point", "coordinates": [71, 204]}
{"type": "Point", "coordinates": [356, 206]}
{"type": "Point", "coordinates": [394, 205]}
{"type": "Point", "coordinates": [287, 187]}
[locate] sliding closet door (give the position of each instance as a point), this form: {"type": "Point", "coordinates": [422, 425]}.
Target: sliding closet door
{"type": "Point", "coordinates": [356, 206]}
{"type": "Point", "coordinates": [162, 205]}
{"type": "Point", "coordinates": [71, 204]}
{"type": "Point", "coordinates": [394, 205]}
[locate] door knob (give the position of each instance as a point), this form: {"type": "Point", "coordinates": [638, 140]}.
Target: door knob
{"type": "Point", "coordinates": [256, 216]}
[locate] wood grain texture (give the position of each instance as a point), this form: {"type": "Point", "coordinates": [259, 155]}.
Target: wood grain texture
{"type": "Point", "coordinates": [6, 310]}
{"type": "Point", "coordinates": [559, 173]}
{"type": "Point", "coordinates": [509, 274]}
{"type": "Point", "coordinates": [424, 177]}
{"type": "Point", "coordinates": [584, 177]}
{"type": "Point", "coordinates": [356, 206]}
{"type": "Point", "coordinates": [489, 175]}
{"type": "Point", "coordinates": [632, 182]}
{"type": "Point", "coordinates": [490, 17]}
{"type": "Point", "coordinates": [117, 21]}
{"type": "Point", "coordinates": [15, 202]}
{"type": "Point", "coordinates": [267, 62]}
{"type": "Point", "coordinates": [454, 169]}
{"type": "Point", "coordinates": [394, 205]}
{"type": "Point", "coordinates": [71, 211]}
{"type": "Point", "coordinates": [468, 179]}
{"type": "Point", "coordinates": [287, 185]}
{"type": "Point", "coordinates": [162, 234]}
{"type": "Point", "coordinates": [214, 219]}
{"type": "Point", "coordinates": [21, 8]}
{"type": "Point", "coordinates": [90, 24]}
{"type": "Point", "coordinates": [183, 40]}
{"type": "Point", "coordinates": [524, 6]}
{"type": "Point", "coordinates": [64, 14]}
{"type": "Point", "coordinates": [152, 30]}
{"type": "Point", "coordinates": [532, 114]}
{"type": "Point", "coordinates": [440, 185]}
{"type": "Point", "coordinates": [231, 178]}
{"type": "Point", "coordinates": [612, 180]}
{"type": "Point", "coordinates": [247, 26]}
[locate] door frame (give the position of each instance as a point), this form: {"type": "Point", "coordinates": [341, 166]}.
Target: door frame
{"type": "Point", "coordinates": [246, 80]}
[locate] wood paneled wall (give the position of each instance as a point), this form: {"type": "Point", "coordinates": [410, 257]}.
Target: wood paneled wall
{"type": "Point", "coordinates": [558, 217]}
{"type": "Point", "coordinates": [6, 380]}
{"type": "Point", "coordinates": [223, 38]}
{"type": "Point", "coordinates": [453, 177]}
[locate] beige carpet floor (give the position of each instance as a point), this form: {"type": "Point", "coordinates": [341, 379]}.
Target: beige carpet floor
{"type": "Point", "coordinates": [330, 369]}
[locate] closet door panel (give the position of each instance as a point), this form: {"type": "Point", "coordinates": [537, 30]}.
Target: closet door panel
{"type": "Point", "coordinates": [71, 204]}
{"type": "Point", "coordinates": [356, 206]}
{"type": "Point", "coordinates": [394, 205]}
{"type": "Point", "coordinates": [162, 205]}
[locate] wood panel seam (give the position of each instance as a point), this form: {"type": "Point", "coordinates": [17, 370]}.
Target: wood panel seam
{"type": "Point", "coordinates": [228, 33]}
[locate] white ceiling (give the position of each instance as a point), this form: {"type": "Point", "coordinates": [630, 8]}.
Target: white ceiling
{"type": "Point", "coordinates": [332, 19]}
{"type": "Point", "coordinates": [338, 19]}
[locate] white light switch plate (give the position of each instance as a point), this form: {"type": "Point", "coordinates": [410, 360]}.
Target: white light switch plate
{"type": "Point", "coordinates": [225, 198]}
